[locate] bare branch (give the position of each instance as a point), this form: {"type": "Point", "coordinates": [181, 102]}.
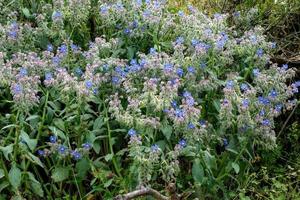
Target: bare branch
{"type": "Point", "coordinates": [142, 192]}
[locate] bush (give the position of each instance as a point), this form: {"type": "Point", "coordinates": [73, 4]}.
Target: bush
{"type": "Point", "coordinates": [161, 99]}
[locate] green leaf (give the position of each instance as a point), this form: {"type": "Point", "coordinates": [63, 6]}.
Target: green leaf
{"type": "Point", "coordinates": [210, 160]}
{"type": "Point", "coordinates": [32, 117]}
{"type": "Point", "coordinates": [57, 132]}
{"type": "Point", "coordinates": [197, 171]}
{"type": "Point", "coordinates": [236, 167]}
{"type": "Point", "coordinates": [35, 159]}
{"type": "Point", "coordinates": [82, 167]}
{"type": "Point", "coordinates": [14, 176]}
{"type": "Point", "coordinates": [1, 173]}
{"type": "Point", "coordinates": [26, 12]}
{"type": "Point", "coordinates": [7, 150]}
{"type": "Point", "coordinates": [108, 157]}
{"type": "Point", "coordinates": [108, 183]}
{"type": "Point", "coordinates": [167, 131]}
{"type": "Point", "coordinates": [31, 143]}
{"type": "Point", "coordinates": [3, 185]}
{"type": "Point", "coordinates": [98, 123]}
{"type": "Point", "coordinates": [35, 185]}
{"type": "Point", "coordinates": [60, 174]}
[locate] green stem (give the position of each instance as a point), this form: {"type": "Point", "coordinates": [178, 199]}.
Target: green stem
{"type": "Point", "coordinates": [16, 144]}
{"type": "Point", "coordinates": [110, 143]}
{"type": "Point", "coordinates": [43, 117]}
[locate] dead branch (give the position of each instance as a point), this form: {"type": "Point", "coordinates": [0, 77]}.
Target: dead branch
{"type": "Point", "coordinates": [142, 192]}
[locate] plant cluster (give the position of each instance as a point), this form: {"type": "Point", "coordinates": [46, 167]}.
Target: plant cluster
{"type": "Point", "coordinates": [155, 98]}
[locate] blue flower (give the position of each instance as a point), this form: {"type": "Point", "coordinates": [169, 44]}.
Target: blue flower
{"type": "Point", "coordinates": [88, 84]}
{"type": "Point", "coordinates": [63, 49]}
{"type": "Point", "coordinates": [152, 51]}
{"type": "Point", "coordinates": [202, 65]}
{"type": "Point", "coordinates": [180, 13]}
{"type": "Point", "coordinates": [179, 40]}
{"type": "Point", "coordinates": [62, 149]}
{"type": "Point", "coordinates": [56, 60]}
{"type": "Point", "coordinates": [266, 122]}
{"type": "Point", "coordinates": [174, 104]}
{"type": "Point", "coordinates": [17, 89]}
{"type": "Point", "coordinates": [255, 72]}
{"type": "Point", "coordinates": [225, 142]}
{"type": "Point", "coordinates": [278, 107]}
{"type": "Point", "coordinates": [50, 47]}
{"type": "Point", "coordinates": [195, 42]}
{"type": "Point", "coordinates": [78, 71]}
{"type": "Point", "coordinates": [187, 94]}
{"type": "Point", "coordinates": [23, 72]}
{"type": "Point", "coordinates": [180, 72]}
{"type": "Point", "coordinates": [262, 112]}
{"type": "Point", "coordinates": [182, 143]}
{"type": "Point", "coordinates": [95, 91]}
{"type": "Point", "coordinates": [273, 45]}
{"type": "Point", "coordinates": [48, 76]}
{"type": "Point", "coordinates": [273, 93]}
{"type": "Point", "coordinates": [260, 52]}
{"type": "Point", "coordinates": [168, 67]}
{"type": "Point", "coordinates": [230, 84]}
{"type": "Point", "coordinates": [191, 125]}
{"type": "Point", "coordinates": [203, 123]}
{"type": "Point", "coordinates": [155, 148]}
{"type": "Point", "coordinates": [41, 152]}
{"type": "Point", "coordinates": [264, 101]}
{"type": "Point", "coordinates": [104, 10]}
{"type": "Point", "coordinates": [115, 80]}
{"type": "Point", "coordinates": [53, 139]}
{"type": "Point", "coordinates": [179, 113]}
{"type": "Point", "coordinates": [74, 47]}
{"type": "Point", "coordinates": [86, 146]}
{"type": "Point", "coordinates": [285, 67]}
{"type": "Point", "coordinates": [253, 39]}
{"type": "Point", "coordinates": [57, 15]}
{"type": "Point", "coordinates": [131, 132]}
{"type": "Point", "coordinates": [76, 155]}
{"type": "Point", "coordinates": [190, 101]}
{"type": "Point", "coordinates": [244, 87]}
{"type": "Point", "coordinates": [246, 103]}
{"type": "Point", "coordinates": [191, 69]}
{"type": "Point", "coordinates": [127, 31]}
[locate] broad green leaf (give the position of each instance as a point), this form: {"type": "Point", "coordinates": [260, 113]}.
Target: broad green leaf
{"type": "Point", "coordinates": [7, 150]}
{"type": "Point", "coordinates": [3, 185]}
{"type": "Point", "coordinates": [32, 117]}
{"type": "Point", "coordinates": [98, 123]}
{"type": "Point", "coordinates": [57, 132]}
{"type": "Point", "coordinates": [31, 143]}
{"type": "Point", "coordinates": [60, 174]}
{"type": "Point", "coordinates": [236, 167]}
{"type": "Point", "coordinates": [108, 183]}
{"type": "Point", "coordinates": [14, 176]}
{"type": "Point", "coordinates": [210, 160]}
{"type": "Point", "coordinates": [167, 131]}
{"type": "Point", "coordinates": [2, 173]}
{"type": "Point", "coordinates": [197, 171]}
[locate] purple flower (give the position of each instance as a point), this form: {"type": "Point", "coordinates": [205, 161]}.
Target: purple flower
{"type": "Point", "coordinates": [182, 143]}
{"type": "Point", "coordinates": [63, 49]}
{"type": "Point", "coordinates": [56, 60]}
{"type": "Point", "coordinates": [76, 155]}
{"type": "Point", "coordinates": [168, 67]}
{"type": "Point", "coordinates": [262, 112]}
{"type": "Point", "coordinates": [174, 104]}
{"type": "Point", "coordinates": [278, 107]}
{"type": "Point", "coordinates": [179, 113]}
{"type": "Point", "coordinates": [127, 31]}
{"type": "Point", "coordinates": [115, 80]}
{"type": "Point", "coordinates": [131, 132]}
{"type": "Point", "coordinates": [53, 139]}
{"type": "Point", "coordinates": [285, 67]}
